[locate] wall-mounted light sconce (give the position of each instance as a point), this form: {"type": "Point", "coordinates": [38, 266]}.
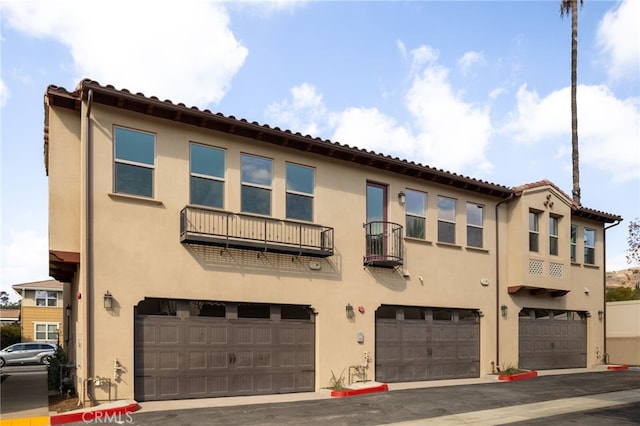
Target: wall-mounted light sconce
{"type": "Point", "coordinates": [349, 310]}
{"type": "Point", "coordinates": [402, 198]}
{"type": "Point", "coordinates": [67, 311]}
{"type": "Point", "coordinates": [600, 315]}
{"type": "Point", "coordinates": [108, 300]}
{"type": "Point", "coordinates": [504, 309]}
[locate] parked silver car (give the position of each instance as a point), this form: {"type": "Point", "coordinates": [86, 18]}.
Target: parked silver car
{"type": "Point", "coordinates": [28, 353]}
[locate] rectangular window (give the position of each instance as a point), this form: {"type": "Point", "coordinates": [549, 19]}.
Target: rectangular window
{"type": "Point", "coordinates": [446, 220]}
{"type": "Point", "coordinates": [207, 175]}
{"type": "Point", "coordinates": [416, 214]}
{"type": "Point", "coordinates": [574, 238]}
{"type": "Point", "coordinates": [134, 155]}
{"type": "Point", "coordinates": [46, 331]}
{"type": "Point", "coordinates": [300, 188]}
{"type": "Point", "coordinates": [534, 231]}
{"type": "Point", "coordinates": [589, 246]}
{"type": "Point", "coordinates": [475, 213]}
{"type": "Point", "coordinates": [256, 175]}
{"type": "Point", "coordinates": [46, 298]}
{"type": "Point", "coordinates": [553, 235]}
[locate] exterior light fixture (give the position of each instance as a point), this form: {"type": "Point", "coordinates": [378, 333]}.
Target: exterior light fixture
{"type": "Point", "coordinates": [108, 300]}
{"type": "Point", "coordinates": [600, 315]}
{"type": "Point", "coordinates": [349, 310]}
{"type": "Point", "coordinates": [67, 311]}
{"type": "Point", "coordinates": [402, 198]}
{"type": "Point", "coordinates": [504, 309]}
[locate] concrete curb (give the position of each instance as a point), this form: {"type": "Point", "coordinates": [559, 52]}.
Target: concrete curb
{"type": "Point", "coordinates": [109, 412]}
{"type": "Point", "coordinates": [617, 367]}
{"type": "Point", "coordinates": [520, 376]}
{"type": "Point", "coordinates": [361, 391]}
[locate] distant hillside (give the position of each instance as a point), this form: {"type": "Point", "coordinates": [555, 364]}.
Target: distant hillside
{"type": "Point", "coordinates": [624, 278]}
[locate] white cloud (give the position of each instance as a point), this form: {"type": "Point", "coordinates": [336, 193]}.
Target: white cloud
{"type": "Point", "coordinates": [4, 93]}
{"type": "Point", "coordinates": [608, 128]}
{"type": "Point", "coordinates": [470, 59]}
{"type": "Point", "coordinates": [25, 258]}
{"type": "Point", "coordinates": [619, 40]}
{"type": "Point", "coordinates": [444, 132]}
{"type": "Point", "coordinates": [158, 55]}
{"type": "Point", "coordinates": [304, 113]}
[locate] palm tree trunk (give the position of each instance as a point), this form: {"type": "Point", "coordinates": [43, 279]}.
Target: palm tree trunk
{"type": "Point", "coordinates": [574, 103]}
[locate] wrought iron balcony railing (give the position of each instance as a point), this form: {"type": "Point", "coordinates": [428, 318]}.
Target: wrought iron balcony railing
{"type": "Point", "coordinates": [383, 244]}
{"type": "Point", "coordinates": [238, 230]}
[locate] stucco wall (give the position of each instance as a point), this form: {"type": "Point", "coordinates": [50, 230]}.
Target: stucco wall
{"type": "Point", "coordinates": [623, 332]}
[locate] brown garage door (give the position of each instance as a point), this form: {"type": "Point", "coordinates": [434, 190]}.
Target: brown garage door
{"type": "Point", "coordinates": [552, 339]}
{"type": "Point", "coordinates": [188, 349]}
{"type": "Point", "coordinates": [416, 343]}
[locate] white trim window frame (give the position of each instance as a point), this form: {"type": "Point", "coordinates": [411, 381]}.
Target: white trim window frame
{"type": "Point", "coordinates": [446, 219]}
{"type": "Point", "coordinates": [475, 228]}
{"type": "Point", "coordinates": [416, 214]}
{"type": "Point", "coordinates": [256, 184]}
{"type": "Point", "coordinates": [207, 168]}
{"type": "Point", "coordinates": [574, 239]}
{"type": "Point", "coordinates": [46, 298]}
{"type": "Point", "coordinates": [554, 239]}
{"type": "Point", "coordinates": [134, 158]}
{"type": "Point", "coordinates": [299, 192]}
{"type": "Point", "coordinates": [534, 231]}
{"type": "Point", "coordinates": [589, 246]}
{"type": "Point", "coordinates": [46, 331]}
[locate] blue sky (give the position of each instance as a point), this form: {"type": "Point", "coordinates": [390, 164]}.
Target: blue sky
{"type": "Point", "coordinates": [479, 88]}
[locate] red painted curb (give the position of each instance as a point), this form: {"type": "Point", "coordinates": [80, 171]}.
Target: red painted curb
{"type": "Point", "coordinates": [520, 376]}
{"type": "Point", "coordinates": [352, 392]}
{"type": "Point", "coordinates": [88, 415]}
{"type": "Point", "coordinates": [618, 367]}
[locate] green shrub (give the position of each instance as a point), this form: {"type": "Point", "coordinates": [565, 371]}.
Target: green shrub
{"type": "Point", "coordinates": [10, 334]}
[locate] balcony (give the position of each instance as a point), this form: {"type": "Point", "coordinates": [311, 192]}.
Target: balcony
{"type": "Point", "coordinates": [383, 244]}
{"type": "Point", "coordinates": [241, 231]}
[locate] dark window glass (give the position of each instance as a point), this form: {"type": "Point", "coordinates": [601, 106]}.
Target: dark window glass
{"type": "Point", "coordinates": [574, 237]}
{"type": "Point", "coordinates": [256, 185]}
{"type": "Point", "coordinates": [589, 246]}
{"type": "Point", "coordinates": [474, 236]}
{"type": "Point", "coordinates": [207, 192]}
{"type": "Point", "coordinates": [134, 180]}
{"type": "Point", "coordinates": [475, 213]}
{"type": "Point", "coordinates": [137, 147]}
{"type": "Point", "coordinates": [254, 311]}
{"type": "Point", "coordinates": [295, 312]}
{"type": "Point", "coordinates": [386, 312]}
{"type": "Point", "coordinates": [467, 315]}
{"type": "Point", "coordinates": [299, 207]}
{"type": "Point", "coordinates": [553, 236]}
{"type": "Point", "coordinates": [442, 315]}
{"type": "Point", "coordinates": [413, 313]}
{"type": "Point", "coordinates": [416, 204]}
{"type": "Point", "coordinates": [299, 198]}
{"type": "Point", "coordinates": [533, 231]}
{"type": "Point", "coordinates": [206, 160]}
{"type": "Point", "coordinates": [446, 220]}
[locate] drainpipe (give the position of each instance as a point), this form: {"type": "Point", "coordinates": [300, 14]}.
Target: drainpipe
{"type": "Point", "coordinates": [604, 288]}
{"type": "Point", "coordinates": [498, 280]}
{"type": "Point", "coordinates": [89, 340]}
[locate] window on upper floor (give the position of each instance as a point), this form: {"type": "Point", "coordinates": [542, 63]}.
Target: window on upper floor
{"type": "Point", "coordinates": [416, 214]}
{"type": "Point", "coordinates": [46, 298]}
{"type": "Point", "coordinates": [134, 162]}
{"type": "Point", "coordinates": [257, 176]}
{"type": "Point", "coordinates": [46, 331]}
{"type": "Point", "coordinates": [475, 213]}
{"type": "Point", "coordinates": [446, 220]}
{"type": "Point", "coordinates": [300, 189]}
{"type": "Point", "coordinates": [207, 175]}
{"type": "Point", "coordinates": [574, 238]}
{"type": "Point", "coordinates": [534, 231]}
{"type": "Point", "coordinates": [553, 235]}
{"type": "Point", "coordinates": [589, 246]}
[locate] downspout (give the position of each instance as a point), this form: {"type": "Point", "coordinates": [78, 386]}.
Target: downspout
{"type": "Point", "coordinates": [604, 290]}
{"type": "Point", "coordinates": [89, 340]}
{"type": "Point", "coordinates": [498, 281]}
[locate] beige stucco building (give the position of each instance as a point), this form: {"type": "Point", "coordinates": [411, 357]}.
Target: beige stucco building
{"type": "Point", "coordinates": [623, 332]}
{"type": "Point", "coordinates": [211, 256]}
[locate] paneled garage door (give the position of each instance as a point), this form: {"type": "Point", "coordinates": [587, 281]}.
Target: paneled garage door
{"type": "Point", "coordinates": [189, 349]}
{"type": "Point", "coordinates": [416, 343]}
{"type": "Point", "coordinates": [552, 339]}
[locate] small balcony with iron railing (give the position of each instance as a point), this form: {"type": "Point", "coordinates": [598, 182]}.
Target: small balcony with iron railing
{"type": "Point", "coordinates": [383, 244]}
{"type": "Point", "coordinates": [242, 231]}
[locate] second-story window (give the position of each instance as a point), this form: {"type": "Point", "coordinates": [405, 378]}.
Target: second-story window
{"type": "Point", "coordinates": [300, 186]}
{"type": "Point", "coordinates": [416, 206]}
{"type": "Point", "coordinates": [446, 220]}
{"type": "Point", "coordinates": [589, 246]}
{"type": "Point", "coordinates": [134, 158]}
{"type": "Point", "coordinates": [207, 175]}
{"type": "Point", "coordinates": [574, 238]}
{"type": "Point", "coordinates": [46, 298]}
{"type": "Point", "coordinates": [256, 175]}
{"type": "Point", "coordinates": [534, 231]}
{"type": "Point", "coordinates": [475, 214]}
{"type": "Point", "coordinates": [553, 235]}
